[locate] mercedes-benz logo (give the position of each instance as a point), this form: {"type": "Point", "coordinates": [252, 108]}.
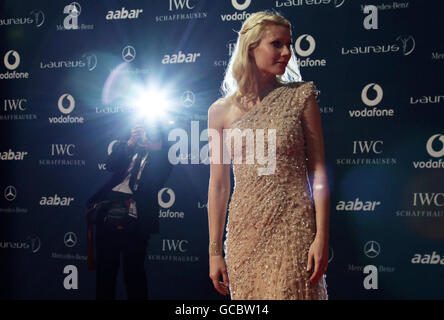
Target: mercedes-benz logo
{"type": "Point", "coordinates": [188, 99]}
{"type": "Point", "coordinates": [128, 53]}
{"type": "Point", "coordinates": [70, 239]}
{"type": "Point", "coordinates": [372, 249]}
{"type": "Point", "coordinates": [75, 9]}
{"type": "Point", "coordinates": [10, 193]}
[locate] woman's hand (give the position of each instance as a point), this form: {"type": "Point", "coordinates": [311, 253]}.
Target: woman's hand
{"type": "Point", "coordinates": [218, 268]}
{"type": "Point", "coordinates": [318, 254]}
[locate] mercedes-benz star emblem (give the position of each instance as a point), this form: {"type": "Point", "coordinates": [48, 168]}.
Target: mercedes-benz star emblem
{"type": "Point", "coordinates": [372, 249]}
{"type": "Point", "coordinates": [128, 53]}
{"type": "Point", "coordinates": [70, 239]}
{"type": "Point", "coordinates": [188, 98]}
{"type": "Point", "coordinates": [10, 193]}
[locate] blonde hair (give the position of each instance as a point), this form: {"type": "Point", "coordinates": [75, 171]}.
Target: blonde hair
{"type": "Point", "coordinates": [240, 84]}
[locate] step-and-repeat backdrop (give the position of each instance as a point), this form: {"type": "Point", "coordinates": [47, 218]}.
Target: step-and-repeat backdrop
{"type": "Point", "coordinates": [72, 75]}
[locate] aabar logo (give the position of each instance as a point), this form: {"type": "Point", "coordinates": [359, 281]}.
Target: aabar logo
{"type": "Point", "coordinates": [13, 155]}
{"type": "Point", "coordinates": [357, 205]}
{"type": "Point", "coordinates": [433, 258]}
{"type": "Point", "coordinates": [56, 201]}
{"type": "Point", "coordinates": [180, 58]}
{"type": "Point", "coordinates": [123, 14]}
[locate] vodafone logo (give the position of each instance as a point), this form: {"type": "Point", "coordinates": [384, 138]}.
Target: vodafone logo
{"type": "Point", "coordinates": [364, 94]}
{"type": "Point", "coordinates": [240, 6]}
{"type": "Point", "coordinates": [71, 102]}
{"type": "Point", "coordinates": [111, 145]}
{"type": "Point", "coordinates": [170, 193]}
{"type": "Point", "coordinates": [431, 150]}
{"type": "Point", "coordinates": [311, 45]}
{"type": "Point", "coordinates": [16, 56]}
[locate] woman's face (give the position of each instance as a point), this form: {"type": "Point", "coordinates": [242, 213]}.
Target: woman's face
{"type": "Point", "coordinates": [273, 52]}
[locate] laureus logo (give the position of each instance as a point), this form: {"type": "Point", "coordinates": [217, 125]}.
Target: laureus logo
{"type": "Point", "coordinates": [408, 44]}
{"type": "Point", "coordinates": [379, 93]}
{"type": "Point", "coordinates": [39, 17]}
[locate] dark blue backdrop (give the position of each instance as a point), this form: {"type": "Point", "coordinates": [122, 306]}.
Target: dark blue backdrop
{"type": "Point", "coordinates": [381, 99]}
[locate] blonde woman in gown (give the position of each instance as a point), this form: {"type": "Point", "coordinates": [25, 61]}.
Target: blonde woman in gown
{"type": "Point", "coordinates": [277, 243]}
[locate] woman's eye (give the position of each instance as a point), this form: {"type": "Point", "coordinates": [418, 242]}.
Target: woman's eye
{"type": "Point", "coordinates": [277, 44]}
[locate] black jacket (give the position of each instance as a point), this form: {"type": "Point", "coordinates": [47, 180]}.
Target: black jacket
{"type": "Point", "coordinates": [154, 175]}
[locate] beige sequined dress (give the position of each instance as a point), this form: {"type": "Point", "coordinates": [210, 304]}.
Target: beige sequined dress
{"type": "Point", "coordinates": [271, 220]}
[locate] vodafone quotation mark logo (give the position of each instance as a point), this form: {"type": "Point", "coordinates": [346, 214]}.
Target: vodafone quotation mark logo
{"type": "Point", "coordinates": [364, 94]}
{"type": "Point", "coordinates": [16, 56]}
{"type": "Point", "coordinates": [240, 6]}
{"type": "Point", "coordinates": [432, 152]}
{"type": "Point", "coordinates": [172, 196]}
{"type": "Point", "coordinates": [311, 45]}
{"type": "Point", "coordinates": [71, 102]}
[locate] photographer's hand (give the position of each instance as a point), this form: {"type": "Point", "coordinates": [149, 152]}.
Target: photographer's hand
{"type": "Point", "coordinates": [137, 135]}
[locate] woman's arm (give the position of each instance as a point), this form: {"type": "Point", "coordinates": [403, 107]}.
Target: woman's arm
{"type": "Point", "coordinates": [312, 125]}
{"type": "Point", "coordinates": [218, 194]}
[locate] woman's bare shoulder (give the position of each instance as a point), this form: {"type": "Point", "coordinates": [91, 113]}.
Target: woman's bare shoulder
{"type": "Point", "coordinates": [218, 111]}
